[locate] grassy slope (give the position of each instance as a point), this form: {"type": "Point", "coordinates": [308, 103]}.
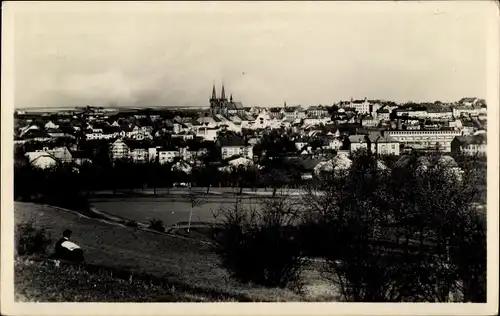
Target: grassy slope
{"type": "Point", "coordinates": [178, 260]}
{"type": "Point", "coordinates": [42, 281]}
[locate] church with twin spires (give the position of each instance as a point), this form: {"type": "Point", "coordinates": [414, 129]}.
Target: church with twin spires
{"type": "Point", "coordinates": [222, 105]}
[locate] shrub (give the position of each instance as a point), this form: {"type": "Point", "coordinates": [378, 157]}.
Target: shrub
{"type": "Point", "coordinates": [157, 224]}
{"type": "Point", "coordinates": [131, 223]}
{"type": "Point", "coordinates": [260, 246]}
{"type": "Point", "coordinates": [31, 240]}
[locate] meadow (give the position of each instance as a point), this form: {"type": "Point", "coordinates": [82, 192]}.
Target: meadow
{"type": "Point", "coordinates": [171, 210]}
{"type": "Point", "coordinates": [184, 263]}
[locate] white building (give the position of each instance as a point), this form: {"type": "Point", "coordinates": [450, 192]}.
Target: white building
{"type": "Point", "coordinates": [358, 142]}
{"type": "Point", "coordinates": [360, 106]}
{"type": "Point", "coordinates": [119, 150]}
{"type": "Point", "coordinates": [41, 159]}
{"type": "Point", "coordinates": [470, 145]}
{"type": "Point", "coordinates": [383, 145]}
{"type": "Point", "coordinates": [425, 139]}
{"type": "Point", "coordinates": [207, 133]}
{"type": "Point", "coordinates": [50, 125]}
{"type": "Point", "coordinates": [167, 155]}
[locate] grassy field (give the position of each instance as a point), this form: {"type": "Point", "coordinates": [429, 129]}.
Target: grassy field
{"type": "Point", "coordinates": [43, 281]}
{"type": "Point", "coordinates": [178, 261]}
{"type": "Point", "coordinates": [171, 210]}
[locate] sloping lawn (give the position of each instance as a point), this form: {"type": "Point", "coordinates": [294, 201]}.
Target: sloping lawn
{"type": "Point", "coordinates": [179, 261]}
{"type": "Point", "coordinates": [42, 281]}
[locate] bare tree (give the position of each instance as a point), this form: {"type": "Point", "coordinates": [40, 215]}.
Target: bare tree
{"type": "Point", "coordinates": [195, 200]}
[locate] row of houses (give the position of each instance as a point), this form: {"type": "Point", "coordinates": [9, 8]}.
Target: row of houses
{"type": "Point", "coordinates": [234, 146]}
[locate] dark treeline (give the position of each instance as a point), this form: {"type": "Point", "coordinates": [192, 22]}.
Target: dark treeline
{"type": "Point", "coordinates": [408, 233]}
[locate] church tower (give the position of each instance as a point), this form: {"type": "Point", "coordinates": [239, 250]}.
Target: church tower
{"type": "Point", "coordinates": [223, 106]}
{"type": "Point", "coordinates": [219, 105]}
{"type": "Point", "coordinates": [214, 102]}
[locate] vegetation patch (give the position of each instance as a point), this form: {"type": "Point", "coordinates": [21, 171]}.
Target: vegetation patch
{"type": "Point", "coordinates": [45, 282]}
{"type": "Point", "coordinates": [31, 240]}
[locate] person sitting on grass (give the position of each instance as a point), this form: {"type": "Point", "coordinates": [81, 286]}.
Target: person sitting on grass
{"type": "Point", "coordinates": [67, 250]}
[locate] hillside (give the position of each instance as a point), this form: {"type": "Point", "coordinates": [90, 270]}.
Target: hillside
{"type": "Point", "coordinates": [178, 261]}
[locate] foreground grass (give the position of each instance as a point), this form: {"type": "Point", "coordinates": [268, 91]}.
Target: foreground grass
{"type": "Point", "coordinates": [43, 281]}
{"type": "Point", "coordinates": [185, 263]}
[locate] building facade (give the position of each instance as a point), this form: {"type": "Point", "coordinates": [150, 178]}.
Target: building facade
{"type": "Point", "coordinates": [425, 139]}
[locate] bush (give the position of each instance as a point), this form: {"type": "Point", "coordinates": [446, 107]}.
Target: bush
{"type": "Point", "coordinates": [157, 224]}
{"type": "Point", "coordinates": [131, 223]}
{"type": "Point", "coordinates": [260, 246]}
{"type": "Point", "coordinates": [31, 240]}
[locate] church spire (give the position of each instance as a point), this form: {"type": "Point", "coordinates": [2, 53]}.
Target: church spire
{"type": "Point", "coordinates": [214, 95]}
{"type": "Point", "coordinates": [223, 93]}
{"type": "Point", "coordinates": [231, 98]}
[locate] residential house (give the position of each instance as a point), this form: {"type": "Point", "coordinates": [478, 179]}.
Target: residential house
{"type": "Point", "coordinates": [335, 143]}
{"type": "Point", "coordinates": [276, 112]}
{"type": "Point", "coordinates": [207, 133]}
{"type": "Point", "coordinates": [152, 153]}
{"type": "Point", "coordinates": [50, 125]}
{"type": "Point", "coordinates": [374, 108]}
{"type": "Point", "coordinates": [446, 113]}
{"type": "Point", "coordinates": [262, 121]}
{"type": "Point", "coordinates": [227, 124]}
{"type": "Point", "coordinates": [62, 154]}
{"type": "Point", "coordinates": [470, 145]}
{"type": "Point", "coordinates": [358, 142]}
{"type": "Point", "coordinates": [469, 111]}
{"type": "Point", "coordinates": [56, 133]}
{"type": "Point", "coordinates": [183, 135]}
{"type": "Point", "coordinates": [41, 159]}
{"type": "Point", "coordinates": [294, 114]}
{"type": "Point", "coordinates": [138, 151]}
{"type": "Point", "coordinates": [167, 155]}
{"type": "Point", "coordinates": [409, 112]}
{"type": "Point", "coordinates": [36, 135]}
{"type": "Point", "coordinates": [360, 106]}
{"type": "Point", "coordinates": [27, 129]}
{"type": "Point", "coordinates": [317, 111]}
{"type": "Point", "coordinates": [234, 145]}
{"type": "Point", "coordinates": [313, 121]}
{"type": "Point", "coordinates": [383, 144]}
{"type": "Point", "coordinates": [207, 121]}
{"type": "Point", "coordinates": [456, 124]}
{"type": "Point", "coordinates": [383, 115]}
{"type": "Point", "coordinates": [119, 150]}
{"type": "Point", "coordinates": [368, 120]}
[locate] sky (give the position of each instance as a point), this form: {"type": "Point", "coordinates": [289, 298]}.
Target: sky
{"type": "Point", "coordinates": [308, 53]}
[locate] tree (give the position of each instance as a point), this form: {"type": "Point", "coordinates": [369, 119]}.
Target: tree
{"type": "Point", "coordinates": [259, 245]}
{"type": "Point", "coordinates": [194, 200]}
{"type": "Point", "coordinates": [403, 233]}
